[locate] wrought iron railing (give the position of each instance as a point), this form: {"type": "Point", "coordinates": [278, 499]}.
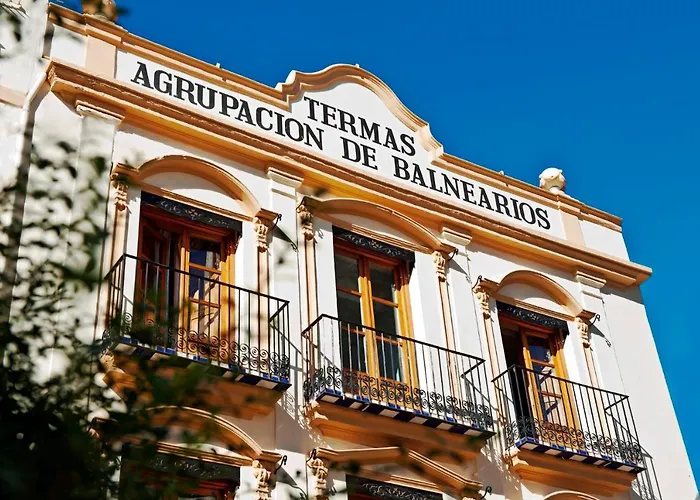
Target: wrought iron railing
{"type": "Point", "coordinates": [555, 411]}
{"type": "Point", "coordinates": [350, 360]}
{"type": "Point", "coordinates": [198, 316]}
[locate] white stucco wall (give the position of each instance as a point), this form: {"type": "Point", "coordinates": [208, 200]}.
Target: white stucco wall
{"type": "Point", "coordinates": [604, 239]}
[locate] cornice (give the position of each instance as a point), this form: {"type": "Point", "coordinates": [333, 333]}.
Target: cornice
{"type": "Point", "coordinates": [144, 110]}
{"type": "Point", "coordinates": [298, 82]}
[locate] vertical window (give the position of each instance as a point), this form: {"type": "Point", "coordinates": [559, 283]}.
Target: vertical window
{"type": "Point", "coordinates": [371, 295]}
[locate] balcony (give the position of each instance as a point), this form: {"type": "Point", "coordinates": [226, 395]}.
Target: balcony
{"type": "Point", "coordinates": [378, 389]}
{"type": "Point", "coordinates": [238, 335]}
{"type": "Point", "coordinates": [567, 434]}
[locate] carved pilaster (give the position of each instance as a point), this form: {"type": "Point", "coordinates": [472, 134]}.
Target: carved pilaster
{"type": "Point", "coordinates": [121, 191]}
{"type": "Point", "coordinates": [262, 229]}
{"type": "Point", "coordinates": [584, 332]}
{"type": "Point", "coordinates": [263, 476]}
{"type": "Point", "coordinates": [306, 218]}
{"type": "Point", "coordinates": [482, 295]}
{"type": "Point", "coordinates": [440, 261]}
{"type": "Point", "coordinates": [319, 467]}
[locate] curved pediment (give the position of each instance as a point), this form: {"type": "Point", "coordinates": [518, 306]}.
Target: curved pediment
{"type": "Point", "coordinates": [298, 83]}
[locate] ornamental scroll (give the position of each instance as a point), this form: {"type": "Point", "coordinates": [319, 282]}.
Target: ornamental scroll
{"type": "Point", "coordinates": [387, 491]}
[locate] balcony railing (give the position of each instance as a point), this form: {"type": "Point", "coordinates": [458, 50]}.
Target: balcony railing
{"type": "Point", "coordinates": [356, 363]}
{"type": "Point", "coordinates": [544, 413]}
{"type": "Point", "coordinates": [196, 316]}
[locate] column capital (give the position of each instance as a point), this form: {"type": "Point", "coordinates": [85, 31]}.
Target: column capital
{"type": "Point", "coordinates": [121, 190]}
{"type": "Point", "coordinates": [263, 221]}
{"type": "Point", "coordinates": [263, 477]}
{"type": "Point", "coordinates": [305, 211]}
{"type": "Point", "coordinates": [440, 261]}
{"type": "Point", "coordinates": [319, 467]}
{"type": "Point", "coordinates": [583, 326]}
{"type": "Point", "coordinates": [483, 296]}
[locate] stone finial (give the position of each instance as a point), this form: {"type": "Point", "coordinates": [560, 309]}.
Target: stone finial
{"type": "Point", "coordinates": [121, 187]}
{"type": "Point", "coordinates": [306, 218]}
{"type": "Point", "coordinates": [263, 477]}
{"type": "Point", "coordinates": [103, 8]}
{"type": "Point", "coordinates": [552, 179]}
{"type": "Point", "coordinates": [584, 331]}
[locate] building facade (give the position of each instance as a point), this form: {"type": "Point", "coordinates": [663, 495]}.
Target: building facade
{"type": "Point", "coordinates": [382, 319]}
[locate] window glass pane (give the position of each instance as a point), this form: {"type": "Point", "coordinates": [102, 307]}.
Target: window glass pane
{"type": "Point", "coordinates": [204, 286]}
{"type": "Point", "coordinates": [386, 318]}
{"type": "Point", "coordinates": [346, 272]}
{"type": "Point", "coordinates": [205, 253]}
{"type": "Point", "coordinates": [349, 307]}
{"type": "Point", "coordinates": [389, 356]}
{"type": "Point", "coordinates": [552, 409]}
{"type": "Point", "coordinates": [539, 349]}
{"type": "Point", "coordinates": [383, 284]}
{"type": "Point", "coordinates": [352, 348]}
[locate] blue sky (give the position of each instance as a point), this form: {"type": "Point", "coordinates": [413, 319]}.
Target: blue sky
{"type": "Point", "coordinates": [607, 91]}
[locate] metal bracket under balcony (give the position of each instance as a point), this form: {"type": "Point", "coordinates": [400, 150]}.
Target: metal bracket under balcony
{"type": "Point", "coordinates": [155, 312]}
{"type": "Point", "coordinates": [380, 376]}
{"type": "Point", "coordinates": [547, 417]}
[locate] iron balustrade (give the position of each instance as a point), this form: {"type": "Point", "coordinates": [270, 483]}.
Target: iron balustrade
{"type": "Point", "coordinates": [351, 360]}
{"type": "Point", "coordinates": [196, 315]}
{"type": "Point", "coordinates": [550, 410]}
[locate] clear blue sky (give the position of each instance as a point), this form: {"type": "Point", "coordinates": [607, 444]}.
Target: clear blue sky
{"type": "Point", "coordinates": [608, 91]}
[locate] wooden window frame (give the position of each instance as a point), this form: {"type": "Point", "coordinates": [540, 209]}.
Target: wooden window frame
{"type": "Point", "coordinates": [363, 258]}
{"type": "Point", "coordinates": [188, 229]}
{"type": "Point", "coordinates": [556, 345]}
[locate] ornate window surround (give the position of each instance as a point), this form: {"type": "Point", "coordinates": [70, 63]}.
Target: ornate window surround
{"type": "Point", "coordinates": [190, 212]}
{"type": "Point", "coordinates": [387, 491]}
{"type": "Point", "coordinates": [374, 245]}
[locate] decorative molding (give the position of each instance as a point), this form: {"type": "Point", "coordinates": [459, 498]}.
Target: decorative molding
{"type": "Point", "coordinates": [194, 468]}
{"type": "Point", "coordinates": [190, 212]}
{"type": "Point", "coordinates": [386, 491]}
{"type": "Point", "coordinates": [440, 261]}
{"type": "Point", "coordinates": [319, 467]}
{"type": "Point", "coordinates": [263, 476]}
{"type": "Point", "coordinates": [583, 327]}
{"type": "Point", "coordinates": [483, 297]}
{"type": "Point", "coordinates": [121, 191]}
{"type": "Point", "coordinates": [373, 245]}
{"type": "Point", "coordinates": [87, 108]}
{"type": "Point", "coordinates": [261, 232]}
{"type": "Point", "coordinates": [531, 316]}
{"type": "Point", "coordinates": [306, 218]}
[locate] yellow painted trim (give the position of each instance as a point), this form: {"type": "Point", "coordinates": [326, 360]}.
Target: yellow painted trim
{"type": "Point", "coordinates": [12, 97]}
{"type": "Point", "coordinates": [284, 94]}
{"type": "Point", "coordinates": [198, 167]}
{"type": "Point", "coordinates": [423, 466]}
{"type": "Point", "coordinates": [561, 473]}
{"type": "Point", "coordinates": [69, 81]}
